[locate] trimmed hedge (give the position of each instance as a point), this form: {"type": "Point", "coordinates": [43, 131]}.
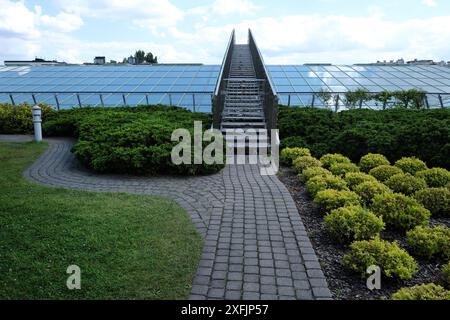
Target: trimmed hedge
{"type": "Point", "coordinates": [406, 183]}
{"type": "Point", "coordinates": [435, 177]}
{"type": "Point", "coordinates": [400, 211]}
{"type": "Point", "coordinates": [385, 172]}
{"type": "Point", "coordinates": [329, 160]}
{"type": "Point", "coordinates": [411, 165]}
{"type": "Point", "coordinates": [352, 223]}
{"type": "Point", "coordinates": [395, 133]}
{"type": "Point", "coordinates": [428, 242]}
{"type": "Point", "coordinates": [318, 183]}
{"type": "Point", "coordinates": [303, 163]}
{"type": "Point", "coordinates": [18, 119]}
{"type": "Point", "coordinates": [330, 199]}
{"type": "Point", "coordinates": [393, 261]}
{"type": "Point", "coordinates": [341, 169]}
{"type": "Point", "coordinates": [368, 190]}
{"type": "Point", "coordinates": [371, 161]}
{"type": "Point", "coordinates": [354, 179]}
{"type": "Point", "coordinates": [313, 172]}
{"type": "Point", "coordinates": [437, 200]}
{"type": "Point", "coordinates": [290, 154]}
{"type": "Point", "coordinates": [429, 291]}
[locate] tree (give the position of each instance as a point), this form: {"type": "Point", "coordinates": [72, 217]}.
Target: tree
{"type": "Point", "coordinates": [149, 58]}
{"type": "Point", "coordinates": [140, 56]}
{"type": "Point", "coordinates": [357, 98]}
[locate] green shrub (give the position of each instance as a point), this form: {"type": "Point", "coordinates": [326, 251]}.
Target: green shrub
{"type": "Point", "coordinates": [317, 184]}
{"type": "Point", "coordinates": [435, 178]}
{"type": "Point", "coordinates": [400, 211]}
{"type": "Point", "coordinates": [446, 273]}
{"type": "Point", "coordinates": [293, 142]}
{"type": "Point", "coordinates": [352, 223]}
{"type": "Point", "coordinates": [354, 179]}
{"type": "Point", "coordinates": [368, 190]}
{"type": "Point", "coordinates": [428, 242]}
{"type": "Point", "coordinates": [429, 291]}
{"type": "Point", "coordinates": [406, 183]}
{"type": "Point", "coordinates": [393, 261]}
{"type": "Point", "coordinates": [18, 119]}
{"type": "Point", "coordinates": [313, 172]}
{"type": "Point", "coordinates": [411, 165]}
{"type": "Point", "coordinates": [341, 169]}
{"type": "Point", "coordinates": [330, 159]}
{"type": "Point", "coordinates": [290, 154]}
{"type": "Point", "coordinates": [437, 200]}
{"type": "Point", "coordinates": [371, 161]}
{"type": "Point", "coordinates": [384, 173]}
{"type": "Point", "coordinates": [302, 163]}
{"type": "Point", "coordinates": [330, 199]}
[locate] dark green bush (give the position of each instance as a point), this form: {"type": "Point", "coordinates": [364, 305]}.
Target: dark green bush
{"type": "Point", "coordinates": [384, 173]}
{"type": "Point", "coordinates": [411, 165]}
{"type": "Point", "coordinates": [406, 183]}
{"type": "Point", "coordinates": [341, 169]}
{"type": "Point", "coordinates": [18, 119]}
{"type": "Point", "coordinates": [330, 199]}
{"type": "Point", "coordinates": [429, 291]}
{"type": "Point", "coordinates": [372, 160]}
{"type": "Point", "coordinates": [352, 223]}
{"type": "Point", "coordinates": [393, 261]}
{"type": "Point", "coordinates": [306, 162]}
{"type": "Point", "coordinates": [329, 160]}
{"type": "Point", "coordinates": [395, 133]}
{"type": "Point", "coordinates": [428, 242]}
{"type": "Point", "coordinates": [320, 183]}
{"type": "Point", "coordinates": [437, 200]}
{"type": "Point", "coordinates": [368, 190]}
{"type": "Point", "coordinates": [354, 179]}
{"type": "Point", "coordinates": [313, 172]}
{"type": "Point", "coordinates": [290, 154]}
{"type": "Point", "coordinates": [400, 211]}
{"type": "Point", "coordinates": [435, 178]}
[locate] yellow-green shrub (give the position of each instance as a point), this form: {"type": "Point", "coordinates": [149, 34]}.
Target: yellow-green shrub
{"type": "Point", "coordinates": [317, 184]}
{"type": "Point", "coordinates": [302, 163]}
{"type": "Point", "coordinates": [368, 190]}
{"type": "Point", "coordinates": [437, 200]}
{"type": "Point", "coordinates": [313, 172]}
{"type": "Point", "coordinates": [354, 179]}
{"type": "Point", "coordinates": [435, 177]}
{"type": "Point", "coordinates": [352, 223]}
{"type": "Point", "coordinates": [371, 161]}
{"type": "Point", "coordinates": [341, 169]}
{"type": "Point", "coordinates": [330, 199]}
{"type": "Point", "coordinates": [393, 261]}
{"type": "Point", "coordinates": [406, 183]}
{"type": "Point", "coordinates": [429, 291]}
{"type": "Point", "coordinates": [446, 273]}
{"type": "Point", "coordinates": [290, 154]}
{"type": "Point", "coordinates": [428, 242]}
{"type": "Point", "coordinates": [330, 159]}
{"type": "Point", "coordinates": [384, 173]}
{"type": "Point", "coordinates": [411, 165]}
{"type": "Point", "coordinates": [18, 119]}
{"type": "Point", "coordinates": [400, 211]}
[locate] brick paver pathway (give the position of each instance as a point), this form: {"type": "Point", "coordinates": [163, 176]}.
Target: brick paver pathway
{"type": "Point", "coordinates": [256, 246]}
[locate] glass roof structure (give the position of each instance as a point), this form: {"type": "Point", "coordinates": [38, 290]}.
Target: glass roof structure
{"type": "Point", "coordinates": [192, 86]}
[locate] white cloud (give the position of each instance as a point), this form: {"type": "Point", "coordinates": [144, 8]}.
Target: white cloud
{"type": "Point", "coordinates": [429, 3]}
{"type": "Point", "coordinates": [63, 22]}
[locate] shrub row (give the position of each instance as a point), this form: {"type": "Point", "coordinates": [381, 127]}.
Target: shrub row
{"type": "Point", "coordinates": [428, 291]}
{"type": "Point", "coordinates": [394, 133]}
{"type": "Point", "coordinates": [427, 242]}
{"type": "Point", "coordinates": [18, 119]}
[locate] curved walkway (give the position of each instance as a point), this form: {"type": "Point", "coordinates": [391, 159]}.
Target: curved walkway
{"type": "Point", "coordinates": [255, 244]}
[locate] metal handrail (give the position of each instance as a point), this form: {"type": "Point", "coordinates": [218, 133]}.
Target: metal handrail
{"type": "Point", "coordinates": [222, 68]}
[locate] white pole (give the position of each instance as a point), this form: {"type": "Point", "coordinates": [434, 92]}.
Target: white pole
{"type": "Point", "coordinates": [37, 121]}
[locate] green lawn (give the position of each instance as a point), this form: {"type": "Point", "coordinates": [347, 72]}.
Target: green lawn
{"type": "Point", "coordinates": [128, 247]}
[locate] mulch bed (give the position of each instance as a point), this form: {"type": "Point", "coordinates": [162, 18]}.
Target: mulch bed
{"type": "Point", "coordinates": [344, 284]}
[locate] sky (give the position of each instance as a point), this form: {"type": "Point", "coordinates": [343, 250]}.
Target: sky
{"type": "Point", "coordinates": [196, 31]}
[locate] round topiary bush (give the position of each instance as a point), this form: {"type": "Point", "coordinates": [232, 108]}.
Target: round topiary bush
{"type": "Point", "coordinates": [393, 261]}
{"type": "Point", "coordinates": [411, 165]}
{"type": "Point", "coordinates": [446, 273]}
{"type": "Point", "coordinates": [354, 179]}
{"type": "Point", "coordinates": [372, 161]}
{"type": "Point", "coordinates": [400, 211]}
{"type": "Point", "coordinates": [368, 190]}
{"type": "Point", "coordinates": [406, 183]}
{"type": "Point", "coordinates": [429, 291]}
{"type": "Point", "coordinates": [330, 159]}
{"type": "Point", "coordinates": [313, 172]}
{"type": "Point", "coordinates": [341, 169]}
{"type": "Point", "coordinates": [290, 154]}
{"type": "Point", "coordinates": [302, 163]}
{"type": "Point", "coordinates": [437, 200]}
{"type": "Point", "coordinates": [384, 173]}
{"type": "Point", "coordinates": [428, 242]}
{"type": "Point", "coordinates": [352, 223]}
{"type": "Point", "coordinates": [317, 184]}
{"type": "Point", "coordinates": [330, 199]}
{"type": "Point", "coordinates": [435, 178]}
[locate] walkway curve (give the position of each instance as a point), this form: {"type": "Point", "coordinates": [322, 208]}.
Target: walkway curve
{"type": "Point", "coordinates": [255, 244]}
